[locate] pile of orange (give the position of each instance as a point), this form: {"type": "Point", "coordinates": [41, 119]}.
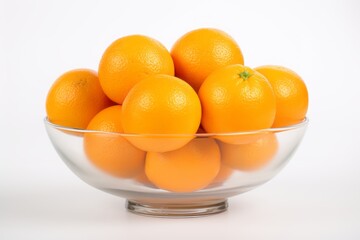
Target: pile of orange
{"type": "Point", "coordinates": [160, 99]}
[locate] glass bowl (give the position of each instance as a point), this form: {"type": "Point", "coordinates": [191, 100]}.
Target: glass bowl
{"type": "Point", "coordinates": [195, 179]}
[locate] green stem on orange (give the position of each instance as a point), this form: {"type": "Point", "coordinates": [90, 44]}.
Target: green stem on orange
{"type": "Point", "coordinates": [245, 75]}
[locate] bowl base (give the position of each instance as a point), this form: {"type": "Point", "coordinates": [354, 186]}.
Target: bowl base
{"type": "Point", "coordinates": [176, 210]}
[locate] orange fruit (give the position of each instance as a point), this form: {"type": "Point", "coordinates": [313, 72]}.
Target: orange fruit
{"type": "Point", "coordinates": [224, 173]}
{"type": "Point", "coordinates": [128, 60]}
{"type": "Point", "coordinates": [187, 169]}
{"type": "Point", "coordinates": [236, 98]}
{"type": "Point", "coordinates": [143, 179]}
{"type": "Point", "coordinates": [108, 150]}
{"type": "Point", "coordinates": [158, 105]}
{"type": "Point", "coordinates": [199, 52]}
{"type": "Point", "coordinates": [250, 156]}
{"type": "Point", "coordinates": [291, 94]}
{"type": "Point", "coordinates": [75, 98]}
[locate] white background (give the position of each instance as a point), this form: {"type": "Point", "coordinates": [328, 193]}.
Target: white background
{"type": "Point", "coordinates": [317, 196]}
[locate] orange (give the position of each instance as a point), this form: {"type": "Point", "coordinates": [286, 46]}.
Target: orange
{"type": "Point", "coordinates": [236, 98]}
{"type": "Point", "coordinates": [110, 151]}
{"type": "Point", "coordinates": [251, 156]}
{"type": "Point", "coordinates": [161, 104]}
{"type": "Point", "coordinates": [291, 94]}
{"type": "Point", "coordinates": [128, 60]}
{"type": "Point", "coordinates": [224, 173]}
{"type": "Point", "coordinates": [187, 169]}
{"type": "Point", "coordinates": [199, 52]}
{"type": "Point", "coordinates": [143, 179]}
{"type": "Point", "coordinates": [75, 98]}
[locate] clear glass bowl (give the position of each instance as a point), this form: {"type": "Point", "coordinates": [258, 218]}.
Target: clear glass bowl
{"type": "Point", "coordinates": [178, 183]}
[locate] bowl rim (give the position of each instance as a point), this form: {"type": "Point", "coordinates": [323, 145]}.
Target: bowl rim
{"type": "Point", "coordinates": [299, 125]}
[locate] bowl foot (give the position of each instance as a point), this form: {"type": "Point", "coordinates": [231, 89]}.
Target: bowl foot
{"type": "Point", "coordinates": [176, 210]}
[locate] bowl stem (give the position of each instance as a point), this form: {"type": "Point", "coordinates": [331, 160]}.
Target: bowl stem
{"type": "Point", "coordinates": [176, 210]}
